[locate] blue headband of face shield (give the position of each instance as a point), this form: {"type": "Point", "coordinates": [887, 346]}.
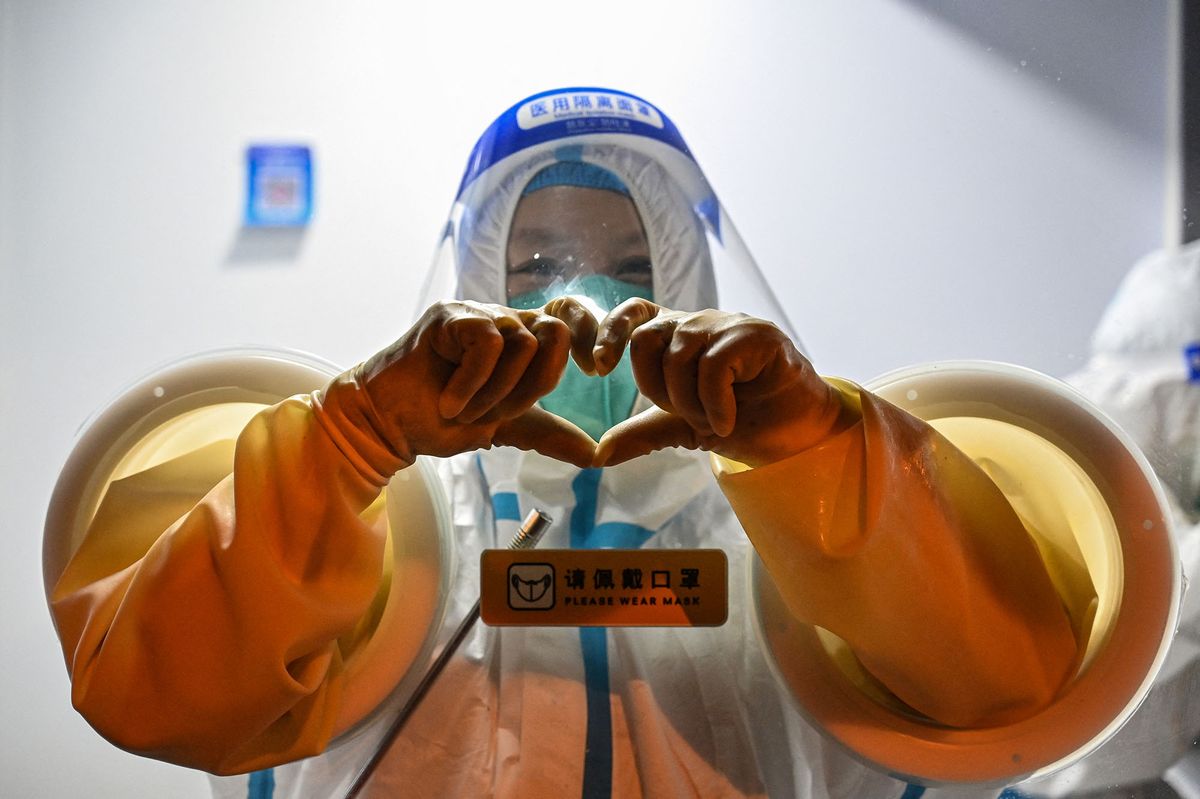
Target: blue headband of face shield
{"type": "Point", "coordinates": [595, 404]}
{"type": "Point", "coordinates": [561, 114]}
{"type": "Point", "coordinates": [566, 172]}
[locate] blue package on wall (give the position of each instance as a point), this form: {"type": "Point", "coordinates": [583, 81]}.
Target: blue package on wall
{"type": "Point", "coordinates": [279, 190]}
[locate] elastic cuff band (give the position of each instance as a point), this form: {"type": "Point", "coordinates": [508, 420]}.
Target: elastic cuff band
{"type": "Point", "coordinates": [344, 411]}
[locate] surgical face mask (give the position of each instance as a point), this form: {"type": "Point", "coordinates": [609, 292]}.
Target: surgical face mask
{"type": "Point", "coordinates": [593, 403]}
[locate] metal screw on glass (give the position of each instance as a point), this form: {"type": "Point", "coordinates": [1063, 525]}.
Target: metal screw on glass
{"type": "Point", "coordinates": [527, 537]}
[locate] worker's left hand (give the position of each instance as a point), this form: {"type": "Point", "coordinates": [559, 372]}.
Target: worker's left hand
{"type": "Point", "coordinates": [724, 382]}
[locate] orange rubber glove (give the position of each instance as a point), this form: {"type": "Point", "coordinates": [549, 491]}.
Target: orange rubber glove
{"type": "Point", "coordinates": [723, 382]}
{"type": "Point", "coordinates": [467, 376]}
{"type": "Point", "coordinates": [871, 524]}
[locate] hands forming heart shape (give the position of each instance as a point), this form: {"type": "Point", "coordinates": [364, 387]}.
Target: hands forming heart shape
{"type": "Point", "coordinates": [468, 376]}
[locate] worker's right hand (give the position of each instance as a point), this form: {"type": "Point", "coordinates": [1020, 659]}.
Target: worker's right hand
{"type": "Point", "coordinates": [467, 376]}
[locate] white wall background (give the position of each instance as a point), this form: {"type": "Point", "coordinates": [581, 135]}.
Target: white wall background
{"type": "Point", "coordinates": [920, 179]}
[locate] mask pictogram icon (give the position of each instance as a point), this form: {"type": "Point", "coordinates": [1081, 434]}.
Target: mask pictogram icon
{"type": "Point", "coordinates": [531, 586]}
{"type": "Point", "coordinates": [531, 591]}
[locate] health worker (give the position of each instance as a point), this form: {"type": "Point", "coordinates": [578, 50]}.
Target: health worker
{"type": "Point", "coordinates": [1144, 372]}
{"type": "Point", "coordinates": [569, 357]}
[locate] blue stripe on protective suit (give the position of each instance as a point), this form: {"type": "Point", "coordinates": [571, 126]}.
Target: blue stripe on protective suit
{"type": "Point", "coordinates": [1191, 354]}
{"type": "Point", "coordinates": [912, 792]}
{"type": "Point", "coordinates": [505, 506]}
{"type": "Point", "coordinates": [261, 785]}
{"type": "Point", "coordinates": [597, 753]}
{"type": "Point", "coordinates": [586, 534]}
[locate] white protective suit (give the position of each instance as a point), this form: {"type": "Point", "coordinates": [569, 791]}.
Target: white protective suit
{"type": "Point", "coordinates": [1144, 372]}
{"type": "Point", "coordinates": [272, 569]}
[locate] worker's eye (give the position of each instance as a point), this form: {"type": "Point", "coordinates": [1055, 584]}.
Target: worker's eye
{"type": "Point", "coordinates": [539, 267]}
{"type": "Point", "coordinates": [635, 270]}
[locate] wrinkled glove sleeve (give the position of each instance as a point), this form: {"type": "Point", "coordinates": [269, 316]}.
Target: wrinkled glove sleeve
{"type": "Point", "coordinates": [888, 536]}
{"type": "Point", "coordinates": [216, 648]}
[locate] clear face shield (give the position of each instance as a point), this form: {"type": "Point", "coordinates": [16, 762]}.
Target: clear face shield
{"type": "Point", "coordinates": [592, 193]}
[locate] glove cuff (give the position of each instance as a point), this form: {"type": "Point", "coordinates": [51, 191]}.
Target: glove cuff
{"type": "Point", "coordinates": [345, 412]}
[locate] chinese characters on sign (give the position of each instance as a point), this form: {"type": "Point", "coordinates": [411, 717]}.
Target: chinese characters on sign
{"type": "Point", "coordinates": [611, 587]}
